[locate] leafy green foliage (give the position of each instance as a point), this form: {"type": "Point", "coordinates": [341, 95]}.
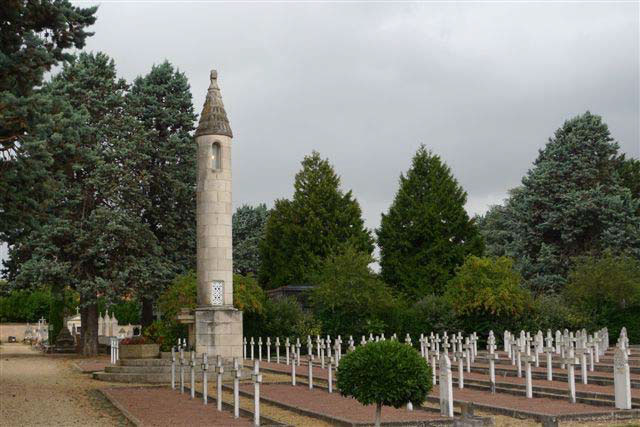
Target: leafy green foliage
{"type": "Point", "coordinates": [486, 294]}
{"type": "Point", "coordinates": [572, 203]}
{"type": "Point", "coordinates": [554, 312]}
{"type": "Point", "coordinates": [384, 373]}
{"type": "Point", "coordinates": [300, 233]}
{"type": "Point", "coordinates": [348, 298]}
{"type": "Point", "coordinates": [286, 318]}
{"type": "Point", "coordinates": [427, 233]}
{"type": "Point", "coordinates": [248, 296]}
{"type": "Point", "coordinates": [607, 290]}
{"type": "Point", "coordinates": [431, 313]}
{"type": "Point", "coordinates": [127, 311]}
{"type": "Point", "coordinates": [181, 294]}
{"type": "Point", "coordinates": [25, 305]}
{"type": "Point", "coordinates": [248, 230]}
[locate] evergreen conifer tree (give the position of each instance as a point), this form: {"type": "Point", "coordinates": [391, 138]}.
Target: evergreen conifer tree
{"type": "Point", "coordinates": [427, 232]}
{"type": "Point", "coordinates": [161, 102]}
{"type": "Point", "coordinates": [301, 232]}
{"type": "Point", "coordinates": [34, 36]}
{"type": "Point", "coordinates": [86, 229]}
{"type": "Point", "coordinates": [248, 230]}
{"type": "Point", "coordinates": [571, 203]}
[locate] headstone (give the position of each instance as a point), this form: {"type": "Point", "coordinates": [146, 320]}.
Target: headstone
{"type": "Point", "coordinates": [492, 356]}
{"type": "Point", "coordinates": [287, 348]}
{"type": "Point", "coordinates": [581, 352]}
{"type": "Point", "coordinates": [64, 342]}
{"type": "Point", "coordinates": [237, 374]}
{"type": "Point", "coordinates": [460, 355]}
{"type": "Point", "coordinates": [181, 370]}
{"type": "Point", "coordinates": [173, 368]}
{"type": "Point", "coordinates": [205, 386]}
{"type": "Point", "coordinates": [507, 343]}
{"type": "Point", "coordinates": [256, 378]}
{"type": "Point", "coordinates": [244, 349]}
{"type": "Point", "coordinates": [528, 359]}
{"type": "Point", "coordinates": [468, 351]}
{"type": "Point", "coordinates": [310, 372]}
{"type": "Point", "coordinates": [330, 374]}
{"type": "Point", "coordinates": [621, 379]}
{"type": "Point", "coordinates": [219, 373]}
{"type": "Point", "coordinates": [192, 371]}
{"type": "Point", "coordinates": [549, 350]}
{"type": "Point", "coordinates": [293, 367]}
{"type": "Point", "coordinates": [454, 344]}
{"type": "Point", "coordinates": [446, 388]}
{"type": "Point", "coordinates": [571, 361]}
{"type": "Point", "coordinates": [434, 355]}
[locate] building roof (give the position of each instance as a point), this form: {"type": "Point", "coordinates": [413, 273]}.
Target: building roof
{"type": "Point", "coordinates": [213, 119]}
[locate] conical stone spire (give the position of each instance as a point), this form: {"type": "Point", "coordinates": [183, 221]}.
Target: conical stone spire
{"type": "Point", "coordinates": [213, 119]}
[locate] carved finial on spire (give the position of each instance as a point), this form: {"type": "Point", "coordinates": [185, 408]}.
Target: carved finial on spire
{"type": "Point", "coordinates": [214, 75]}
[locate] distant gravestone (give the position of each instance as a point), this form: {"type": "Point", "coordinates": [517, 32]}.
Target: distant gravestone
{"type": "Point", "coordinates": [622, 379]}
{"type": "Point", "coordinates": [64, 342]}
{"type": "Point", "coordinates": [446, 387]}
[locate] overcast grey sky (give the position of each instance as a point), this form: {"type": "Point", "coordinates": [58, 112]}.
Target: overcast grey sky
{"type": "Point", "coordinates": [481, 84]}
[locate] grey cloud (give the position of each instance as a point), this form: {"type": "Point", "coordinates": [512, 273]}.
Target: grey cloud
{"type": "Point", "coordinates": [483, 85]}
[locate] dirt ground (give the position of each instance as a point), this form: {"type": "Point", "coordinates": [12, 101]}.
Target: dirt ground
{"type": "Point", "coordinates": [41, 390]}
{"type": "Point", "coordinates": [45, 390]}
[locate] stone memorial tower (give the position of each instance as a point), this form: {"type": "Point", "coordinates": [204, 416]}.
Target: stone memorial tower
{"type": "Point", "coordinates": [218, 325]}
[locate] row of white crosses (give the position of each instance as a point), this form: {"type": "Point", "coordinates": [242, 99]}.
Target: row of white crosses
{"type": "Point", "coordinates": [256, 378]}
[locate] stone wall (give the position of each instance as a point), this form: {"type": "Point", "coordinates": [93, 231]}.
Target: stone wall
{"type": "Point", "coordinates": [14, 330]}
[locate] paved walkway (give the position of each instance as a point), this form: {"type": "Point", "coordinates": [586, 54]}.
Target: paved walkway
{"type": "Point", "coordinates": [335, 406]}
{"type": "Point", "coordinates": [161, 406]}
{"type": "Point", "coordinates": [45, 390]}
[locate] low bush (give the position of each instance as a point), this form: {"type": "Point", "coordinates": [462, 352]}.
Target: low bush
{"type": "Point", "coordinates": [385, 373]}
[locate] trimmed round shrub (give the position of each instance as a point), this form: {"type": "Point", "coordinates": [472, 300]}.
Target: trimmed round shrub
{"type": "Point", "coordinates": [386, 373]}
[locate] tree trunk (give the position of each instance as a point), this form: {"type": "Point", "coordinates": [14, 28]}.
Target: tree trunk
{"type": "Point", "coordinates": [56, 312]}
{"type": "Point", "coordinates": [378, 414]}
{"type": "Point", "coordinates": [89, 336]}
{"type": "Point", "coordinates": [147, 312]}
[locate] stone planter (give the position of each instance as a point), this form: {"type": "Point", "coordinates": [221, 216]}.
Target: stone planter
{"type": "Point", "coordinates": [139, 351]}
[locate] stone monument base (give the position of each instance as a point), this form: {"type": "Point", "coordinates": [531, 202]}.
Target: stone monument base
{"type": "Point", "coordinates": [218, 331]}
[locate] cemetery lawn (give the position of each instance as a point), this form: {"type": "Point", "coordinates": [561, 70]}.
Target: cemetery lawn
{"type": "Point", "coordinates": [45, 390]}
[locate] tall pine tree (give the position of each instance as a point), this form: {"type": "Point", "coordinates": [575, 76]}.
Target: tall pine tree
{"type": "Point", "coordinates": [427, 232]}
{"type": "Point", "coordinates": [300, 233]}
{"type": "Point", "coordinates": [34, 36]}
{"type": "Point", "coordinates": [87, 232]}
{"type": "Point", "coordinates": [161, 102]}
{"type": "Point", "coordinates": [573, 202]}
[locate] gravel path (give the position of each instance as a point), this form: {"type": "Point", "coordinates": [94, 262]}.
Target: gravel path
{"type": "Point", "coordinates": [45, 390]}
